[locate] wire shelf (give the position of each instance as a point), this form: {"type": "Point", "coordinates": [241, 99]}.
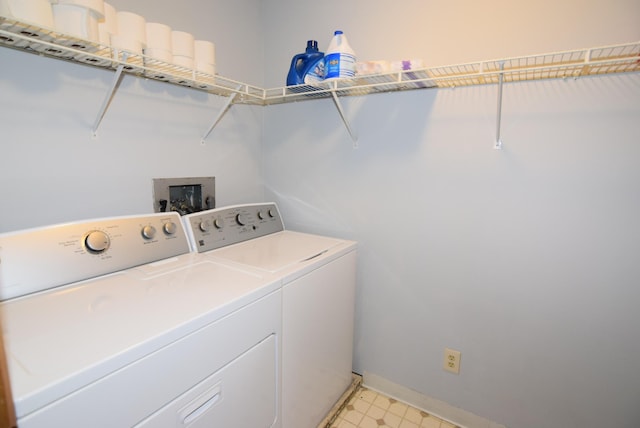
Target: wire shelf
{"type": "Point", "coordinates": [47, 42]}
{"type": "Point", "coordinates": [622, 58]}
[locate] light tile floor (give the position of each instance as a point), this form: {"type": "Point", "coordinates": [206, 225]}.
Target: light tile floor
{"type": "Point", "coordinates": [370, 409]}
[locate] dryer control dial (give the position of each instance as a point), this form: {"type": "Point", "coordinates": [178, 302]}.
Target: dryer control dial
{"type": "Point", "coordinates": [218, 223]}
{"type": "Point", "coordinates": [204, 225]}
{"type": "Point", "coordinates": [97, 241]}
{"type": "Point", "coordinates": [148, 232]}
{"type": "Point", "coordinates": [170, 228]}
{"type": "Point", "coordinates": [241, 219]}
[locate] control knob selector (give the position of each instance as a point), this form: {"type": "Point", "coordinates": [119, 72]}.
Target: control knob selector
{"type": "Point", "coordinates": [97, 241]}
{"type": "Point", "coordinates": [204, 225]}
{"type": "Point", "coordinates": [218, 223]}
{"type": "Point", "coordinates": [170, 228]}
{"type": "Point", "coordinates": [149, 232]}
{"type": "Point", "coordinates": [241, 219]}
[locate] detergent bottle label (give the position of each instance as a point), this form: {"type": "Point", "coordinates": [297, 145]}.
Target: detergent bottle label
{"type": "Point", "coordinates": [332, 65]}
{"type": "Point", "coordinates": [339, 65]}
{"type": "Point", "coordinates": [316, 73]}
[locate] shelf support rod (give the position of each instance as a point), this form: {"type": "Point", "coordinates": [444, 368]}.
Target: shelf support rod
{"type": "Point", "coordinates": [498, 144]}
{"type": "Point", "coordinates": [107, 99]}
{"type": "Point", "coordinates": [338, 104]}
{"type": "Point", "coordinates": [221, 113]}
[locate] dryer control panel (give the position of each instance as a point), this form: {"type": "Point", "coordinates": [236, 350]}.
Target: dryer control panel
{"type": "Point", "coordinates": [217, 228]}
{"type": "Point", "coordinates": [46, 257]}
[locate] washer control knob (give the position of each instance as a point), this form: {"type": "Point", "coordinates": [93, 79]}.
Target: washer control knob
{"type": "Point", "coordinates": [170, 228]}
{"type": "Point", "coordinates": [218, 223]}
{"type": "Point", "coordinates": [96, 241]}
{"type": "Point", "coordinates": [262, 215]}
{"type": "Point", "coordinates": [272, 213]}
{"type": "Point", "coordinates": [149, 232]}
{"type": "Point", "coordinates": [204, 225]}
{"type": "Point", "coordinates": [241, 219]}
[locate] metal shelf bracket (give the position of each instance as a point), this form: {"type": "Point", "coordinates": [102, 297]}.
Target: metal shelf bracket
{"type": "Point", "coordinates": [107, 99]}
{"type": "Point", "coordinates": [354, 136]}
{"type": "Point", "coordinates": [498, 143]}
{"type": "Point", "coordinates": [221, 113]}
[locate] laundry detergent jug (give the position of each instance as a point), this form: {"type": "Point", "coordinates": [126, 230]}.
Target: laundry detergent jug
{"type": "Point", "coordinates": [307, 67]}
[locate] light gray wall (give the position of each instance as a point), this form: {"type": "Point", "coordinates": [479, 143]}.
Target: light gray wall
{"type": "Point", "coordinates": [52, 170]}
{"type": "Point", "coordinates": [525, 259]}
{"type": "Point", "coordinates": [443, 32]}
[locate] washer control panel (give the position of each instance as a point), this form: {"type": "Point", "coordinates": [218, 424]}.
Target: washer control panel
{"type": "Point", "coordinates": [217, 228]}
{"type": "Point", "coordinates": [37, 259]}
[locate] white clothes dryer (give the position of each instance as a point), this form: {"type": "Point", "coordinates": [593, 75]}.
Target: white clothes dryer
{"type": "Point", "coordinates": [114, 323]}
{"type": "Point", "coordinates": [318, 277]}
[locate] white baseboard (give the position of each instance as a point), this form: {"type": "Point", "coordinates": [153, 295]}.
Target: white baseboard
{"type": "Point", "coordinates": [438, 408]}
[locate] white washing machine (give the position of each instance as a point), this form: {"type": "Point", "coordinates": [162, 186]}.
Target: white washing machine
{"type": "Point", "coordinates": [114, 323]}
{"type": "Point", "coordinates": [318, 277]}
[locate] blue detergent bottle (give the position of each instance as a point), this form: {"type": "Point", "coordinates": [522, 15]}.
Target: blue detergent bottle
{"type": "Point", "coordinates": [307, 67]}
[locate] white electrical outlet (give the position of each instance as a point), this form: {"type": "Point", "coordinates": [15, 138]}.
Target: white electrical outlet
{"type": "Point", "coordinates": [451, 361]}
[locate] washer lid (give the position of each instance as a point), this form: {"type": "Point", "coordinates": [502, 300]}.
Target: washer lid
{"type": "Point", "coordinates": [278, 251]}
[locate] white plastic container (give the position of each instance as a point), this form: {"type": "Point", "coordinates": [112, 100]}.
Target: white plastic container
{"type": "Point", "coordinates": [77, 21]}
{"type": "Point", "coordinates": [31, 11]}
{"type": "Point", "coordinates": [205, 51]}
{"type": "Point", "coordinates": [159, 54]}
{"type": "Point", "coordinates": [95, 5]}
{"type": "Point", "coordinates": [158, 36]}
{"type": "Point", "coordinates": [108, 25]}
{"type": "Point", "coordinates": [339, 58]}
{"type": "Point", "coordinates": [182, 44]}
{"type": "Point", "coordinates": [122, 43]}
{"type": "Point", "coordinates": [131, 26]}
{"type": "Point", "coordinates": [205, 57]}
{"type": "Point", "coordinates": [183, 61]}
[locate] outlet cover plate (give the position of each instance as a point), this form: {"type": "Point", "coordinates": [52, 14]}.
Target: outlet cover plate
{"type": "Point", "coordinates": [451, 361]}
